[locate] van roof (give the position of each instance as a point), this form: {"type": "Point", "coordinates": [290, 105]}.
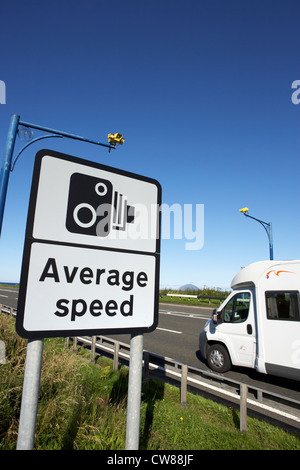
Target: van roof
{"type": "Point", "coordinates": [250, 275]}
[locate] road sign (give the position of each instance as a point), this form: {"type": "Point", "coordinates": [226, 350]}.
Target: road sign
{"type": "Point", "coordinates": [85, 203]}
{"type": "Point", "coordinates": [91, 252]}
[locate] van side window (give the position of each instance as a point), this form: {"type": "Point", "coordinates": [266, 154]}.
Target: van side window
{"type": "Point", "coordinates": [237, 309]}
{"type": "Point", "coordinates": [282, 305]}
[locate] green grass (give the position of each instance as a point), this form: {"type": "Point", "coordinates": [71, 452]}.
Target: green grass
{"type": "Point", "coordinates": [83, 406]}
{"type": "Point", "coordinates": [214, 303]}
{"type": "Point", "coordinates": [14, 286]}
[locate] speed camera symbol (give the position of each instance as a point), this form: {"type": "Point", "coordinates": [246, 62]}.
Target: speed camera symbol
{"type": "Point", "coordinates": [95, 208]}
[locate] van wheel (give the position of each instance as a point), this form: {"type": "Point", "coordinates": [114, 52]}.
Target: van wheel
{"type": "Point", "coordinates": [218, 358]}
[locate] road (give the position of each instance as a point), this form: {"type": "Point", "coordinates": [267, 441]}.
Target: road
{"type": "Point", "coordinates": [9, 296]}
{"type": "Point", "coordinates": [177, 333]}
{"type": "Point", "coordinates": [177, 336]}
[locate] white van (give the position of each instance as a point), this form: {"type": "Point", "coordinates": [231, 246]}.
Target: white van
{"type": "Point", "coordinates": [258, 325]}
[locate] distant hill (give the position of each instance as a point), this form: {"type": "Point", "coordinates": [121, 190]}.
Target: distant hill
{"type": "Point", "coordinates": [188, 287]}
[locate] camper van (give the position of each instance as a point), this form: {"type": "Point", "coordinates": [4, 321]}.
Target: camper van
{"type": "Point", "coordinates": [258, 325]}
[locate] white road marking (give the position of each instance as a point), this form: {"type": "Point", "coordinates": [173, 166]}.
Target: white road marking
{"type": "Point", "coordinates": [180, 314]}
{"type": "Point", "coordinates": [170, 331]}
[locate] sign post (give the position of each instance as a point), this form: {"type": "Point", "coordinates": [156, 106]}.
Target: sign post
{"type": "Point", "coordinates": [134, 392]}
{"type": "Point", "coordinates": [91, 257]}
{"type": "Point", "coordinates": [30, 395]}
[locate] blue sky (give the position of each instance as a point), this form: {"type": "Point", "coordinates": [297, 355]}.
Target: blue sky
{"type": "Point", "coordinates": [201, 91]}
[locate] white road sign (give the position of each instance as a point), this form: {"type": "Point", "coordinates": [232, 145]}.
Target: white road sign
{"type": "Point", "coordinates": [91, 253]}
{"type": "Point", "coordinates": [90, 204]}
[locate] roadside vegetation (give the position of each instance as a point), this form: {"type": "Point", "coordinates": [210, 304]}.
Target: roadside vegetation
{"type": "Point", "coordinates": [211, 297]}
{"type": "Point", "coordinates": [82, 406]}
{"type": "Point", "coordinates": [14, 286]}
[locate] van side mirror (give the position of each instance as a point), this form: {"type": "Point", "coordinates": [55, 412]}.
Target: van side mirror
{"type": "Point", "coordinates": [215, 317]}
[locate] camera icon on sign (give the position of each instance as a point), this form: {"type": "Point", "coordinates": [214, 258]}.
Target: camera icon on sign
{"type": "Point", "coordinates": [95, 208]}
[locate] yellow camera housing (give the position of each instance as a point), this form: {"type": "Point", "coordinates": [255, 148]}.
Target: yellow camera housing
{"type": "Point", "coordinates": [116, 138]}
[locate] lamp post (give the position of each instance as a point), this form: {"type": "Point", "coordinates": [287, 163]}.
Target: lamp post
{"type": "Point", "coordinates": [266, 225]}
{"type": "Point", "coordinates": [7, 165]}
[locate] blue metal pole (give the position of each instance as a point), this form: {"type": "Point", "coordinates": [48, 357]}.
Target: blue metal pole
{"type": "Point", "coordinates": [6, 164]}
{"type": "Point", "coordinates": [64, 134]}
{"type": "Point", "coordinates": [10, 144]}
{"type": "Point", "coordinates": [268, 228]}
{"type": "Point", "coordinates": [271, 241]}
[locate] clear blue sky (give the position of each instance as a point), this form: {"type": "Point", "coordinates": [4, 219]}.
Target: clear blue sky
{"type": "Point", "coordinates": [201, 90]}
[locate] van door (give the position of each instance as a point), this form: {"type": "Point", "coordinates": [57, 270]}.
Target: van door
{"type": "Point", "coordinates": [281, 333]}
{"type": "Point", "coordinates": [238, 328]}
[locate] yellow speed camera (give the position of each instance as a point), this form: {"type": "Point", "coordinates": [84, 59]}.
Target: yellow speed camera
{"type": "Point", "coordinates": [244, 210]}
{"type": "Point", "coordinates": [116, 139]}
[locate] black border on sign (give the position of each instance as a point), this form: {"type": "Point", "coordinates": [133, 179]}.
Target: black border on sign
{"type": "Point", "coordinates": [29, 240]}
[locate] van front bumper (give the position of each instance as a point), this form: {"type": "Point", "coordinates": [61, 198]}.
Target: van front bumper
{"type": "Point", "coordinates": [203, 343]}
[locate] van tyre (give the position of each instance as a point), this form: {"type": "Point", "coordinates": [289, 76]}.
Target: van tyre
{"type": "Point", "coordinates": [218, 358]}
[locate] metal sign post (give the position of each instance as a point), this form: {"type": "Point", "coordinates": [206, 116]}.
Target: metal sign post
{"type": "Point", "coordinates": [30, 394]}
{"type": "Point", "coordinates": [134, 392]}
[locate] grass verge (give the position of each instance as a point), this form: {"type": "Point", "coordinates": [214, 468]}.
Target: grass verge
{"type": "Point", "coordinates": [83, 406]}
{"type": "Point", "coordinates": [213, 303]}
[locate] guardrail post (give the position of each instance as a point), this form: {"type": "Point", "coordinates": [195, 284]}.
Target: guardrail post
{"type": "Point", "coordinates": [183, 389]}
{"type": "Point", "coordinates": [93, 349]}
{"type": "Point", "coordinates": [2, 352]}
{"type": "Point", "coordinates": [243, 407]}
{"type": "Point", "coordinates": [75, 345]}
{"type": "Point", "coordinates": [116, 355]}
